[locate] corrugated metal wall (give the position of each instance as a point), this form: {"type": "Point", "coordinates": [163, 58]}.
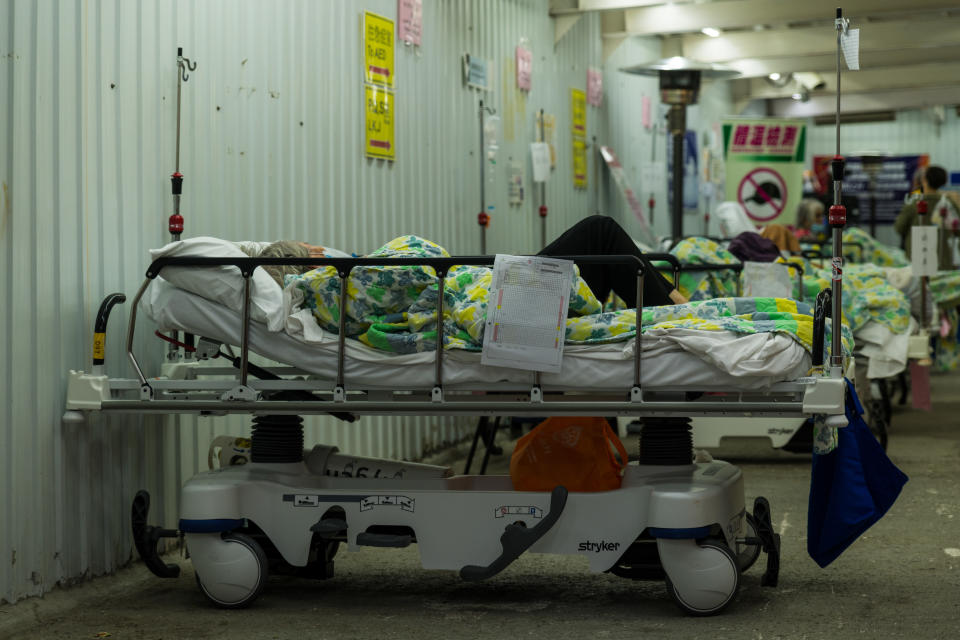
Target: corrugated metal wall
{"type": "Point", "coordinates": [272, 148]}
{"type": "Point", "coordinates": [636, 145]}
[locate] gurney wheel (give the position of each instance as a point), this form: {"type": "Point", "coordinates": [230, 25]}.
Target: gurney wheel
{"type": "Point", "coordinates": [711, 580]}
{"type": "Point", "coordinates": [747, 553]}
{"type": "Point", "coordinates": [240, 575]}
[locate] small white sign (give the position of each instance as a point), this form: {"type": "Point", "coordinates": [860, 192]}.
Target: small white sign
{"type": "Point", "coordinates": [923, 250]}
{"type": "Point", "coordinates": [540, 156]}
{"type": "Point", "coordinates": [850, 45]}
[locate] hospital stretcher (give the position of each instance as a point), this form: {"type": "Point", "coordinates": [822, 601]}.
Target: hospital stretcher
{"type": "Point", "coordinates": [672, 518]}
{"type": "Point", "coordinates": [881, 355]}
{"type": "Point", "coordinates": [790, 433]}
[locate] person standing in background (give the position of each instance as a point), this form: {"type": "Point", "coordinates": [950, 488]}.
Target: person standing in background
{"type": "Point", "coordinates": [942, 208]}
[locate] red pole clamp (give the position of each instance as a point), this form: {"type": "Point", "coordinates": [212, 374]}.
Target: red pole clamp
{"type": "Point", "coordinates": [176, 224]}
{"type": "Point", "coordinates": [837, 217]}
{"type": "Point", "coordinates": [483, 219]}
{"type": "Point", "coordinates": [543, 211]}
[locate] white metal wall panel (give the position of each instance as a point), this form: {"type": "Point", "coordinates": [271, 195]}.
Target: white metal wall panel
{"type": "Point", "coordinates": [272, 148]}
{"type": "Point", "coordinates": [634, 144]}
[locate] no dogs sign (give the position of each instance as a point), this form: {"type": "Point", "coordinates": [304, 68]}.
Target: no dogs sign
{"type": "Point", "coordinates": [765, 167]}
{"type": "Point", "coordinates": [763, 194]}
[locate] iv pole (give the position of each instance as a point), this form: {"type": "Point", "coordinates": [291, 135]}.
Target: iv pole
{"type": "Point", "coordinates": [175, 222]}
{"type": "Point", "coordinates": [483, 219]}
{"type": "Point", "coordinates": [543, 193]}
{"type": "Point", "coordinates": [837, 218]}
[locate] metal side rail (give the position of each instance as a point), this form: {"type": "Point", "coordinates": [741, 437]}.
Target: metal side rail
{"type": "Point", "coordinates": [821, 394]}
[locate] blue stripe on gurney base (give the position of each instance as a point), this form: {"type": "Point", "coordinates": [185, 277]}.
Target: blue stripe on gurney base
{"type": "Point", "coordinates": [209, 526]}
{"type": "Point", "coordinates": [695, 532]}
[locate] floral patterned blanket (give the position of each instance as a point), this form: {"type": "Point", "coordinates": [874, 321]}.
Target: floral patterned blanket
{"type": "Point", "coordinates": [866, 293]}
{"type": "Point", "coordinates": [394, 308]}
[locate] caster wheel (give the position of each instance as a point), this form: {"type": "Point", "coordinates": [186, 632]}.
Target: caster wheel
{"type": "Point", "coordinates": [235, 572]}
{"type": "Point", "coordinates": [747, 554]}
{"type": "Point", "coordinates": [709, 583]}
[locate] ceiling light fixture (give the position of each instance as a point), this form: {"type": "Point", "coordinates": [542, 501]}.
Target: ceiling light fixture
{"type": "Point", "coordinates": [774, 76]}
{"type": "Point", "coordinates": [710, 31]}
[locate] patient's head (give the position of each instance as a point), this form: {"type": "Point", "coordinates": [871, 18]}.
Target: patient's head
{"type": "Point", "coordinates": [286, 249]}
{"type": "Point", "coordinates": [933, 178]}
{"type": "Point", "coordinates": [809, 214]}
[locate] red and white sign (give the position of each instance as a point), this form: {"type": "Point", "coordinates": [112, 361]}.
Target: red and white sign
{"type": "Point", "coordinates": [524, 68]}
{"type": "Point", "coordinates": [594, 87]}
{"type": "Point", "coordinates": [410, 21]}
{"type": "Point", "coordinates": [764, 138]}
{"type": "Point", "coordinates": [763, 194]}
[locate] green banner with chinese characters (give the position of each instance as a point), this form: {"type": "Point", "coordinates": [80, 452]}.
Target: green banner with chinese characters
{"type": "Point", "coordinates": [764, 166]}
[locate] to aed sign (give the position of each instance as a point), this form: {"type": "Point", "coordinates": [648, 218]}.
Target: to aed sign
{"type": "Point", "coordinates": [378, 49]}
{"type": "Point", "coordinates": [379, 122]}
{"type": "Point", "coordinates": [579, 164]}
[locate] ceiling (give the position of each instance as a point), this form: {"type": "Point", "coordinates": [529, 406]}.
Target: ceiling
{"type": "Point", "coordinates": [909, 49]}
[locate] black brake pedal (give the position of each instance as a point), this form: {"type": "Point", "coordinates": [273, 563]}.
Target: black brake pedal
{"type": "Point", "coordinates": [516, 539]}
{"type": "Point", "coordinates": [769, 541]}
{"type": "Point", "coordinates": [145, 537]}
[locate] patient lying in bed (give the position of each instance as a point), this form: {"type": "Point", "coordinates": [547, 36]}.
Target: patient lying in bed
{"type": "Point", "coordinates": [592, 236]}
{"type": "Point", "coordinates": [394, 309]}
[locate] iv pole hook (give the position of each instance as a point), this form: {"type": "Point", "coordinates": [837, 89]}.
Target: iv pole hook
{"type": "Point", "coordinates": [185, 65]}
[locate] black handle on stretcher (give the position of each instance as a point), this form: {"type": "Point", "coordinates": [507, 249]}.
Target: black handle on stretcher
{"type": "Point", "coordinates": [710, 266]}
{"type": "Point", "coordinates": [821, 312]}
{"type": "Point", "coordinates": [517, 538]}
{"type": "Point", "coordinates": [672, 259]}
{"type": "Point", "coordinates": [858, 245]}
{"type": "Point", "coordinates": [100, 326]}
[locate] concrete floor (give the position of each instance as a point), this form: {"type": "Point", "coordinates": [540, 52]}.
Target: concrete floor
{"type": "Point", "coordinates": [900, 580]}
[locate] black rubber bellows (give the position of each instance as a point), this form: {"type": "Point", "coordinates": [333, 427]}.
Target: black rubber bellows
{"type": "Point", "coordinates": [277, 439]}
{"type": "Point", "coordinates": [666, 441]}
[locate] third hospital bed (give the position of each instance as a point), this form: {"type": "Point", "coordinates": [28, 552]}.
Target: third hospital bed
{"type": "Point", "coordinates": [672, 518]}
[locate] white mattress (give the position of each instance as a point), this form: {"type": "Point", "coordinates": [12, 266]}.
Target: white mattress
{"type": "Point", "coordinates": [675, 359]}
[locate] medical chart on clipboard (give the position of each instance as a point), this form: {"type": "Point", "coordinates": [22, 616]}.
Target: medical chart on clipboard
{"type": "Point", "coordinates": [527, 313]}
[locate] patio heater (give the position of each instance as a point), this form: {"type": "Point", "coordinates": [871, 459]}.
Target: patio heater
{"type": "Point", "coordinates": [679, 87]}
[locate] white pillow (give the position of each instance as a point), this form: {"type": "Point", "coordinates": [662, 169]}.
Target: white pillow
{"type": "Point", "coordinates": [733, 220]}
{"type": "Point", "coordinates": [223, 284]}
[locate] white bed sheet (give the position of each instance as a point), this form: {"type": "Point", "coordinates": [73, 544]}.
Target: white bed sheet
{"type": "Point", "coordinates": [674, 359]}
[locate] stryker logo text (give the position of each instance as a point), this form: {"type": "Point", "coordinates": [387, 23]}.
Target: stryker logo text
{"type": "Point", "coordinates": [597, 547]}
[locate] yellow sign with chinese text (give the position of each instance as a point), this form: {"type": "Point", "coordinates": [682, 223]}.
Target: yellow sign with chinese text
{"type": "Point", "coordinates": [579, 164]}
{"type": "Point", "coordinates": [378, 49]}
{"type": "Point", "coordinates": [379, 122]}
{"type": "Point", "coordinates": [578, 106]}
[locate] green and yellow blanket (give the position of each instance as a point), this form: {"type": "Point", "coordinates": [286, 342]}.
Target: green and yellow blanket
{"type": "Point", "coordinates": [394, 308]}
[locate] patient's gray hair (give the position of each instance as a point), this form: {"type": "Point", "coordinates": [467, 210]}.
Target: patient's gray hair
{"type": "Point", "coordinates": [807, 212]}
{"type": "Point", "coordinates": [283, 249]}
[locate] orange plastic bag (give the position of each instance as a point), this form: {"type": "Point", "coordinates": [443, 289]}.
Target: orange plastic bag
{"type": "Point", "coordinates": [573, 452]}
